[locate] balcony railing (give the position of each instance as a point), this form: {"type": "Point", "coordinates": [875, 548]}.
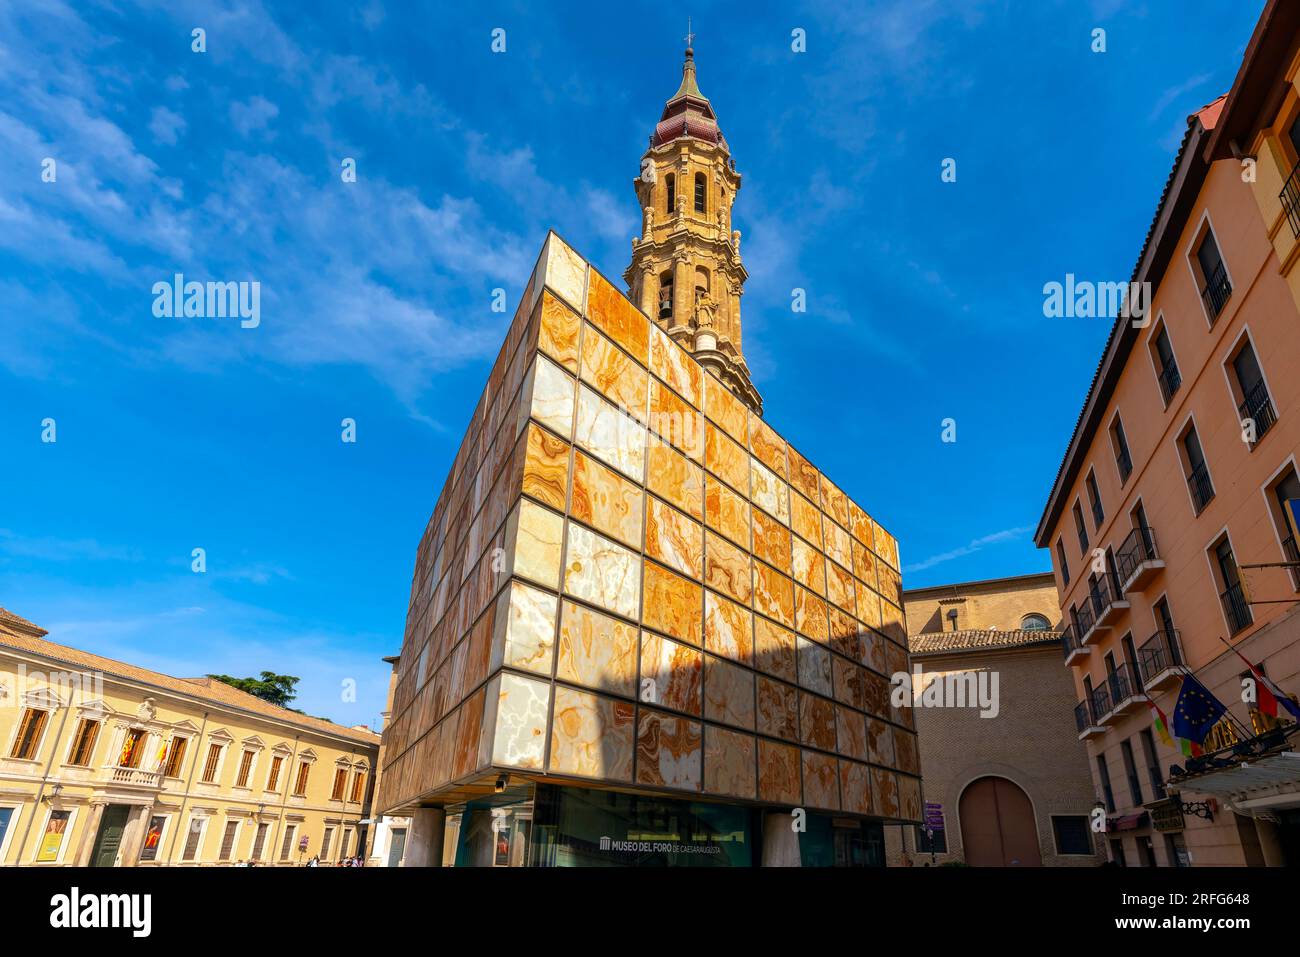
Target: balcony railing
{"type": "Point", "coordinates": [1290, 197]}
{"type": "Point", "coordinates": [1237, 608]}
{"type": "Point", "coordinates": [1292, 555]}
{"type": "Point", "coordinates": [1170, 380]}
{"type": "Point", "coordinates": [1105, 597]}
{"type": "Point", "coordinates": [1124, 687]}
{"type": "Point", "coordinates": [1071, 645]}
{"type": "Point", "coordinates": [1137, 552]}
{"type": "Point", "coordinates": [1201, 486]}
{"type": "Point", "coordinates": [1102, 704]}
{"type": "Point", "coordinates": [1085, 721]}
{"type": "Point", "coordinates": [1217, 290]}
{"type": "Point", "coordinates": [135, 776]}
{"type": "Point", "coordinates": [1158, 655]}
{"type": "Point", "coordinates": [1084, 619]}
{"type": "Point", "coordinates": [1258, 408]}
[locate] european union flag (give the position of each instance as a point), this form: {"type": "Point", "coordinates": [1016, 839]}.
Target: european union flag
{"type": "Point", "coordinates": [1197, 711]}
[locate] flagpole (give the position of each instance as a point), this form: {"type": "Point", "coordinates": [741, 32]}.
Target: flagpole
{"type": "Point", "coordinates": [1249, 734]}
{"type": "Point", "coordinates": [1231, 718]}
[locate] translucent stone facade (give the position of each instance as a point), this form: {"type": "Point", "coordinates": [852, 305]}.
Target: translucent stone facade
{"type": "Point", "coordinates": [630, 578]}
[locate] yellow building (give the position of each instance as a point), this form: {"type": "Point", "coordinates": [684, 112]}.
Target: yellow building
{"type": "Point", "coordinates": [106, 764]}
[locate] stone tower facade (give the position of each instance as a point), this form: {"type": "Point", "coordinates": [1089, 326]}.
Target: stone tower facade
{"type": "Point", "coordinates": [686, 272]}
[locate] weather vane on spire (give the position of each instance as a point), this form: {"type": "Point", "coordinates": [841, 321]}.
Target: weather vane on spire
{"type": "Point", "coordinates": [690, 37]}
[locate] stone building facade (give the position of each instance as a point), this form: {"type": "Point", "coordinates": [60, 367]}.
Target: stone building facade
{"type": "Point", "coordinates": [108, 764]}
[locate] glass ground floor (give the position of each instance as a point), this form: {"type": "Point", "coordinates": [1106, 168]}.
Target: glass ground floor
{"type": "Point", "coordinates": [552, 826]}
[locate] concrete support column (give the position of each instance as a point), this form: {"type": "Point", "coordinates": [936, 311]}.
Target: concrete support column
{"type": "Point", "coordinates": [133, 836]}
{"type": "Point", "coordinates": [1270, 843]}
{"type": "Point", "coordinates": [424, 838]}
{"type": "Point", "coordinates": [780, 842]}
{"type": "Point", "coordinates": [88, 832]}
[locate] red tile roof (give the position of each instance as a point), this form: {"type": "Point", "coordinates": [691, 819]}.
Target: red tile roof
{"type": "Point", "coordinates": [20, 634]}
{"type": "Point", "coordinates": [977, 639]}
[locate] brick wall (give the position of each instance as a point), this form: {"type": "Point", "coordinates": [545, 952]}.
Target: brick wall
{"type": "Point", "coordinates": [1031, 742]}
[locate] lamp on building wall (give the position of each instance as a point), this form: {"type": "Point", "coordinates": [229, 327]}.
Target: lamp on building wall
{"type": "Point", "coordinates": [502, 782]}
{"type": "Point", "coordinates": [55, 791]}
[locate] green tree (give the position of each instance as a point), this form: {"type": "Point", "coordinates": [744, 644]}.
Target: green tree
{"type": "Point", "coordinates": [277, 689]}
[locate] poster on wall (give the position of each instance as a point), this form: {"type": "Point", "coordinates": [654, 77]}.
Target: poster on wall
{"type": "Point", "coordinates": [52, 840]}
{"type": "Point", "coordinates": [152, 839]}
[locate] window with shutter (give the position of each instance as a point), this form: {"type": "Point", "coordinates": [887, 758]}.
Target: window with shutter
{"type": "Point", "coordinates": [228, 840]}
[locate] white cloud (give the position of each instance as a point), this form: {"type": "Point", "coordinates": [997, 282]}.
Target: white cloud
{"type": "Point", "coordinates": [166, 125]}
{"type": "Point", "coordinates": [254, 115]}
{"type": "Point", "coordinates": [975, 545]}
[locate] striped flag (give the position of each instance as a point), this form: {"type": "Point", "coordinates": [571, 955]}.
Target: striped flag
{"type": "Point", "coordinates": [1160, 723]}
{"type": "Point", "coordinates": [1268, 695]}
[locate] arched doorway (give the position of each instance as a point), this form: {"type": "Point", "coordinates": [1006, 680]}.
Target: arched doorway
{"type": "Point", "coordinates": [997, 825]}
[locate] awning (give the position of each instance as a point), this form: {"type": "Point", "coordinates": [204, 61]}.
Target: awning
{"type": "Point", "coordinates": [1258, 777]}
{"type": "Point", "coordinates": [1127, 822]}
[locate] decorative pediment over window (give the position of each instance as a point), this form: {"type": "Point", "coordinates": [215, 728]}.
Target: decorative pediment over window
{"type": "Point", "coordinates": [221, 736]}
{"type": "Point", "coordinates": [282, 749]}
{"type": "Point", "coordinates": [95, 710]}
{"type": "Point", "coordinates": [185, 727]}
{"type": "Point", "coordinates": [343, 763]}
{"type": "Point", "coordinates": [43, 699]}
{"type": "Point", "coordinates": [253, 743]}
{"type": "Point", "coordinates": [308, 755]}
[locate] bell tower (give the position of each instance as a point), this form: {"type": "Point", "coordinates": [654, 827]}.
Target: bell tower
{"type": "Point", "coordinates": [686, 272]}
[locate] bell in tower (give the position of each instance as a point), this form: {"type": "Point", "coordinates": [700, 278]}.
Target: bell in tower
{"type": "Point", "coordinates": [686, 272]}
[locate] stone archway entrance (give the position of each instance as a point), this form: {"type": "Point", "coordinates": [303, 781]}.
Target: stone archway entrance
{"type": "Point", "coordinates": [997, 825]}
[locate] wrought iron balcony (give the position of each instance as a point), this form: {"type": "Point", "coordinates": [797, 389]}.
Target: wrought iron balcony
{"type": "Point", "coordinates": [1292, 555]}
{"type": "Point", "coordinates": [1217, 290]}
{"type": "Point", "coordinates": [1237, 608]}
{"type": "Point", "coordinates": [1126, 691]}
{"type": "Point", "coordinates": [1201, 486]}
{"type": "Point", "coordinates": [1170, 380]}
{"type": "Point", "coordinates": [1106, 599]}
{"type": "Point", "coordinates": [1160, 659]}
{"type": "Point", "coordinates": [1290, 197]}
{"type": "Point", "coordinates": [1084, 621]}
{"type": "Point", "coordinates": [1138, 559]}
{"type": "Point", "coordinates": [1075, 652]}
{"type": "Point", "coordinates": [1085, 722]}
{"type": "Point", "coordinates": [1102, 704]}
{"type": "Point", "coordinates": [1258, 408]}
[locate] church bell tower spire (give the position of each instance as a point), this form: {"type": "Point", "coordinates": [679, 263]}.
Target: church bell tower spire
{"type": "Point", "coordinates": [686, 272]}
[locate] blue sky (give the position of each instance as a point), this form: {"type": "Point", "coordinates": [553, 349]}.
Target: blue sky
{"type": "Point", "coordinates": [924, 297]}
